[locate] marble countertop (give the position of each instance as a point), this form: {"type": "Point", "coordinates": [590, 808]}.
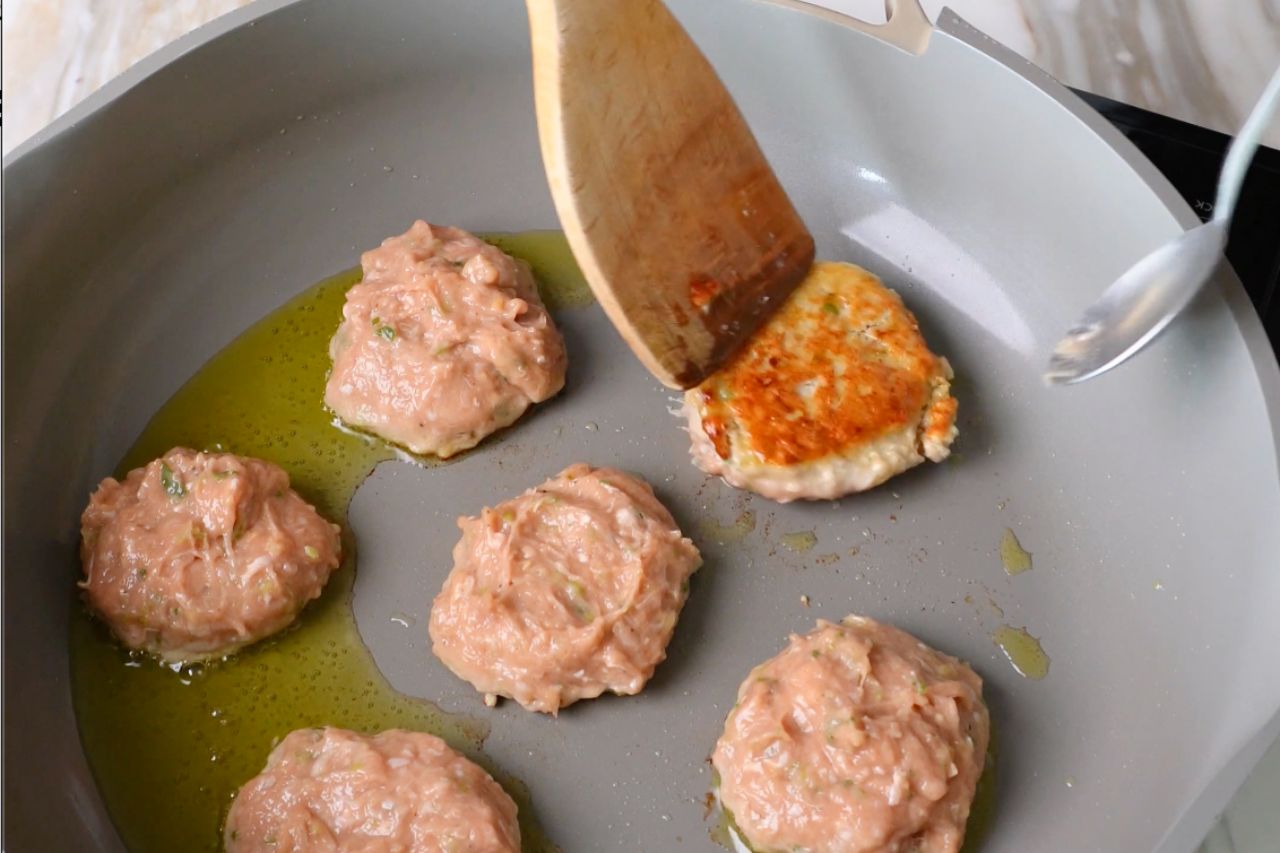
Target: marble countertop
{"type": "Point", "coordinates": [1202, 61]}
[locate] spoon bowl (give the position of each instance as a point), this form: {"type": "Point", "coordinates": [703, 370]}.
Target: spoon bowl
{"type": "Point", "coordinates": [1139, 306]}
{"type": "Point", "coordinates": [1143, 301]}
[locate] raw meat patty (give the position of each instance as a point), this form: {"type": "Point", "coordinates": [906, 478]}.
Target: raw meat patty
{"type": "Point", "coordinates": [571, 589]}
{"type": "Point", "coordinates": [396, 792]}
{"type": "Point", "coordinates": [857, 738]}
{"type": "Point", "coordinates": [836, 393]}
{"type": "Point", "coordinates": [444, 342]}
{"type": "Point", "coordinates": [197, 554]}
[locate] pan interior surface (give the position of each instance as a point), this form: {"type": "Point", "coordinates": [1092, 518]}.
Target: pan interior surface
{"type": "Point", "coordinates": [151, 231]}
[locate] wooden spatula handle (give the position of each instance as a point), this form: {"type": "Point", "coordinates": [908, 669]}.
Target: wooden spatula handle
{"type": "Point", "coordinates": [670, 207]}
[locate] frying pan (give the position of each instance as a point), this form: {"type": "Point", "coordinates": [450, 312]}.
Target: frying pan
{"type": "Point", "coordinates": [156, 221]}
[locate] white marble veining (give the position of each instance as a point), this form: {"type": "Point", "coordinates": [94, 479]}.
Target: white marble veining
{"type": "Point", "coordinates": [1203, 61]}
{"type": "Point", "coordinates": [56, 52]}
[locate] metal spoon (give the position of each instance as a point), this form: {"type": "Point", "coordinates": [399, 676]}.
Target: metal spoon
{"type": "Point", "coordinates": [1140, 303]}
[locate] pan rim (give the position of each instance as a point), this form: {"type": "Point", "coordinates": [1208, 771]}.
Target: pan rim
{"type": "Point", "coordinates": [1249, 325]}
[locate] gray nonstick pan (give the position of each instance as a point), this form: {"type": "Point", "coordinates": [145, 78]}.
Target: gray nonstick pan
{"type": "Point", "coordinates": [173, 210]}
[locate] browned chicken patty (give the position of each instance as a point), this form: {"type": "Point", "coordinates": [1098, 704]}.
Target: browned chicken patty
{"type": "Point", "coordinates": [197, 554]}
{"type": "Point", "coordinates": [444, 341]}
{"type": "Point", "coordinates": [335, 791]}
{"type": "Point", "coordinates": [836, 393]}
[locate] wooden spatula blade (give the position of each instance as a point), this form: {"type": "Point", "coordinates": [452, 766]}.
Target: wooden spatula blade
{"type": "Point", "coordinates": [671, 209]}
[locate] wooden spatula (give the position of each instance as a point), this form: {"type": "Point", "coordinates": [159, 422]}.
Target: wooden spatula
{"type": "Point", "coordinates": [679, 225]}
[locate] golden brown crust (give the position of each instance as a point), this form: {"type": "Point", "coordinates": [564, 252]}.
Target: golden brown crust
{"type": "Point", "coordinates": [940, 423]}
{"type": "Point", "coordinates": [842, 363]}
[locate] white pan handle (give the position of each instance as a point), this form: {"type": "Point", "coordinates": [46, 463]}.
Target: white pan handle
{"type": "Point", "coordinates": [906, 25]}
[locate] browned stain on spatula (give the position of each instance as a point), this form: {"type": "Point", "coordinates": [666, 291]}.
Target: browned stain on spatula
{"type": "Point", "coordinates": [674, 214]}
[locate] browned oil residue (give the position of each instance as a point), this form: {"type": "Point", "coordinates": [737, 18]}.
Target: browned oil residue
{"type": "Point", "coordinates": [702, 289]}
{"type": "Point", "coordinates": [725, 534]}
{"type": "Point", "coordinates": [801, 541]}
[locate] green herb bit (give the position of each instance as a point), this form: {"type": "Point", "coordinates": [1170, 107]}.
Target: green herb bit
{"type": "Point", "coordinates": [919, 685]}
{"type": "Point", "coordinates": [222, 475]}
{"type": "Point", "coordinates": [577, 599]}
{"type": "Point", "coordinates": [852, 785]}
{"type": "Point", "coordinates": [830, 308]}
{"type": "Point", "coordinates": [311, 551]}
{"type": "Point", "coordinates": [387, 333]}
{"type": "Point", "coordinates": [170, 482]}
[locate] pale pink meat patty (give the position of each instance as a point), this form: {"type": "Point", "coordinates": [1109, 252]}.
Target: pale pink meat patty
{"type": "Point", "coordinates": [571, 589]}
{"type": "Point", "coordinates": [856, 738]}
{"type": "Point", "coordinates": [197, 554]}
{"type": "Point", "coordinates": [443, 342]}
{"type": "Point", "coordinates": [327, 790]}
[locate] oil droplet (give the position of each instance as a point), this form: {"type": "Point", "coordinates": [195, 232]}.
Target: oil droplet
{"type": "Point", "coordinates": [723, 534]}
{"type": "Point", "coordinates": [725, 830]}
{"type": "Point", "coordinates": [800, 541]}
{"type": "Point", "coordinates": [1013, 556]}
{"type": "Point", "coordinates": [1023, 651]}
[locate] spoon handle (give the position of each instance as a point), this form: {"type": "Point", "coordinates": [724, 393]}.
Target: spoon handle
{"type": "Point", "coordinates": [1241, 151]}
